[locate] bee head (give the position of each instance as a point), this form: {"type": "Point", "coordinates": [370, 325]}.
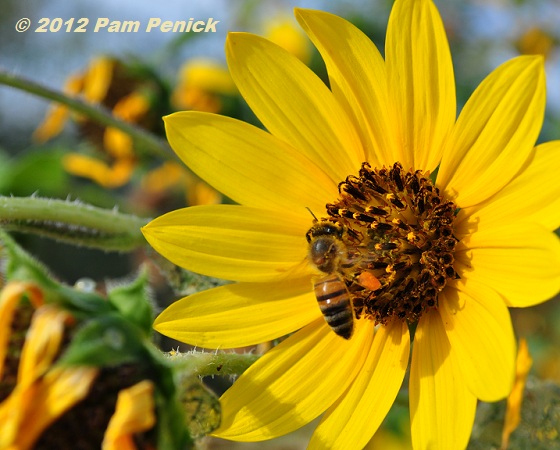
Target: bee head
{"type": "Point", "coordinates": [324, 228]}
{"type": "Point", "coordinates": [323, 253]}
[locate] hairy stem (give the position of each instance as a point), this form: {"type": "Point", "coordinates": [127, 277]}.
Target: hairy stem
{"type": "Point", "coordinates": [205, 364]}
{"type": "Point", "coordinates": [72, 222]}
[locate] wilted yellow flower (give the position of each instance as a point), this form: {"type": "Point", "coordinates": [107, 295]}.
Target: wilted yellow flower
{"type": "Point", "coordinates": [78, 369]}
{"type": "Point", "coordinates": [42, 393]}
{"type": "Point", "coordinates": [106, 82]}
{"type": "Point", "coordinates": [429, 227]}
{"type": "Point", "coordinates": [44, 404]}
{"type": "Point", "coordinates": [92, 84]}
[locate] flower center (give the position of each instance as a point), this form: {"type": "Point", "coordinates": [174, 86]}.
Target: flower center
{"type": "Point", "coordinates": [389, 240]}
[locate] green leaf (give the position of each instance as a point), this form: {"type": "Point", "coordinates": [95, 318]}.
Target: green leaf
{"type": "Point", "coordinates": [5, 171]}
{"type": "Point", "coordinates": [44, 167]}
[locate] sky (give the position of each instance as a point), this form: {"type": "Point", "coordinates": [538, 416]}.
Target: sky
{"type": "Point", "coordinates": [50, 57]}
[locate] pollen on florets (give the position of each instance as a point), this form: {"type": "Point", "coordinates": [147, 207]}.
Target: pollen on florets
{"type": "Point", "coordinates": [397, 242]}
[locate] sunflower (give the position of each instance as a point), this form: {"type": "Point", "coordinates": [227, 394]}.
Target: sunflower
{"type": "Point", "coordinates": [424, 228]}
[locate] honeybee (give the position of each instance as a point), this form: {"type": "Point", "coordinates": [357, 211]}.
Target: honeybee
{"type": "Point", "coordinates": [328, 253]}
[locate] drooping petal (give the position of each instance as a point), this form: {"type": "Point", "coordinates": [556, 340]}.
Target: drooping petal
{"type": "Point", "coordinates": [533, 196]}
{"type": "Point", "coordinates": [515, 399]}
{"type": "Point", "coordinates": [238, 315]}
{"type": "Point", "coordinates": [442, 408]}
{"type": "Point", "coordinates": [358, 80]}
{"type": "Point", "coordinates": [97, 79]}
{"type": "Point", "coordinates": [293, 383]}
{"type": "Point", "coordinates": [351, 421]}
{"type": "Point", "coordinates": [247, 164]}
{"type": "Point", "coordinates": [231, 242]}
{"type": "Point", "coordinates": [479, 330]}
{"type": "Point", "coordinates": [9, 299]}
{"type": "Point", "coordinates": [42, 344]}
{"type": "Point", "coordinates": [294, 104]}
{"type": "Point", "coordinates": [520, 261]}
{"type": "Point", "coordinates": [495, 133]}
{"type": "Point", "coordinates": [134, 413]}
{"type": "Point", "coordinates": [421, 81]}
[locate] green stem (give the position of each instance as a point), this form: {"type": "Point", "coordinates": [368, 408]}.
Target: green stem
{"type": "Point", "coordinates": [204, 364]}
{"type": "Point", "coordinates": [97, 113]}
{"type": "Point", "coordinates": [73, 222]}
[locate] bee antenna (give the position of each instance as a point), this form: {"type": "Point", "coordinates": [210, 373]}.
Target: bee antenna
{"type": "Point", "coordinates": [311, 212]}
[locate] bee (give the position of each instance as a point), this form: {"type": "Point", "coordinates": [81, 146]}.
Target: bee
{"type": "Point", "coordinates": [335, 304]}
{"type": "Point", "coordinates": [328, 253]}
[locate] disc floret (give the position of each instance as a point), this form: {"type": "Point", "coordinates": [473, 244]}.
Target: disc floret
{"type": "Point", "coordinates": [398, 241]}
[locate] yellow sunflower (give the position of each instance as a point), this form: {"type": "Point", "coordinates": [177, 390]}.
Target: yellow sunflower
{"type": "Point", "coordinates": [402, 252]}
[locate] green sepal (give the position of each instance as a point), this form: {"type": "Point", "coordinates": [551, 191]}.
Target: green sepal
{"type": "Point", "coordinates": [82, 305]}
{"type": "Point", "coordinates": [133, 302]}
{"type": "Point", "coordinates": [105, 341]}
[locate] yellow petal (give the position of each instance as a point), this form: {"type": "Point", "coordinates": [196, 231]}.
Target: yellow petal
{"type": "Point", "coordinates": [117, 143]}
{"type": "Point", "coordinates": [351, 421]}
{"type": "Point", "coordinates": [231, 242]}
{"type": "Point", "coordinates": [134, 413]}
{"type": "Point", "coordinates": [294, 104]}
{"type": "Point", "coordinates": [97, 79]}
{"type": "Point", "coordinates": [239, 315]}
{"type": "Point", "coordinates": [358, 80]}
{"type": "Point", "coordinates": [283, 31]}
{"type": "Point", "coordinates": [31, 409]}
{"type": "Point", "coordinates": [56, 117]}
{"type": "Point", "coordinates": [532, 196]}
{"type": "Point", "coordinates": [165, 177]}
{"type": "Point", "coordinates": [206, 75]}
{"type": "Point", "coordinates": [9, 300]}
{"type": "Point", "coordinates": [421, 81]}
{"type": "Point", "coordinates": [42, 343]}
{"type": "Point", "coordinates": [442, 408]}
{"type": "Point", "coordinates": [52, 124]}
{"type": "Point", "coordinates": [247, 164]}
{"type": "Point", "coordinates": [293, 383]}
{"type": "Point", "coordinates": [495, 133]}
{"type": "Point", "coordinates": [520, 261]}
{"type": "Point", "coordinates": [481, 335]}
{"type": "Point", "coordinates": [96, 170]}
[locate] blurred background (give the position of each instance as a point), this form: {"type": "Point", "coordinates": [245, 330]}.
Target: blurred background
{"type": "Point", "coordinates": [46, 150]}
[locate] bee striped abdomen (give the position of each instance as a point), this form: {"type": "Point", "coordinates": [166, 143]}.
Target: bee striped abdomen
{"type": "Point", "coordinates": [334, 302]}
